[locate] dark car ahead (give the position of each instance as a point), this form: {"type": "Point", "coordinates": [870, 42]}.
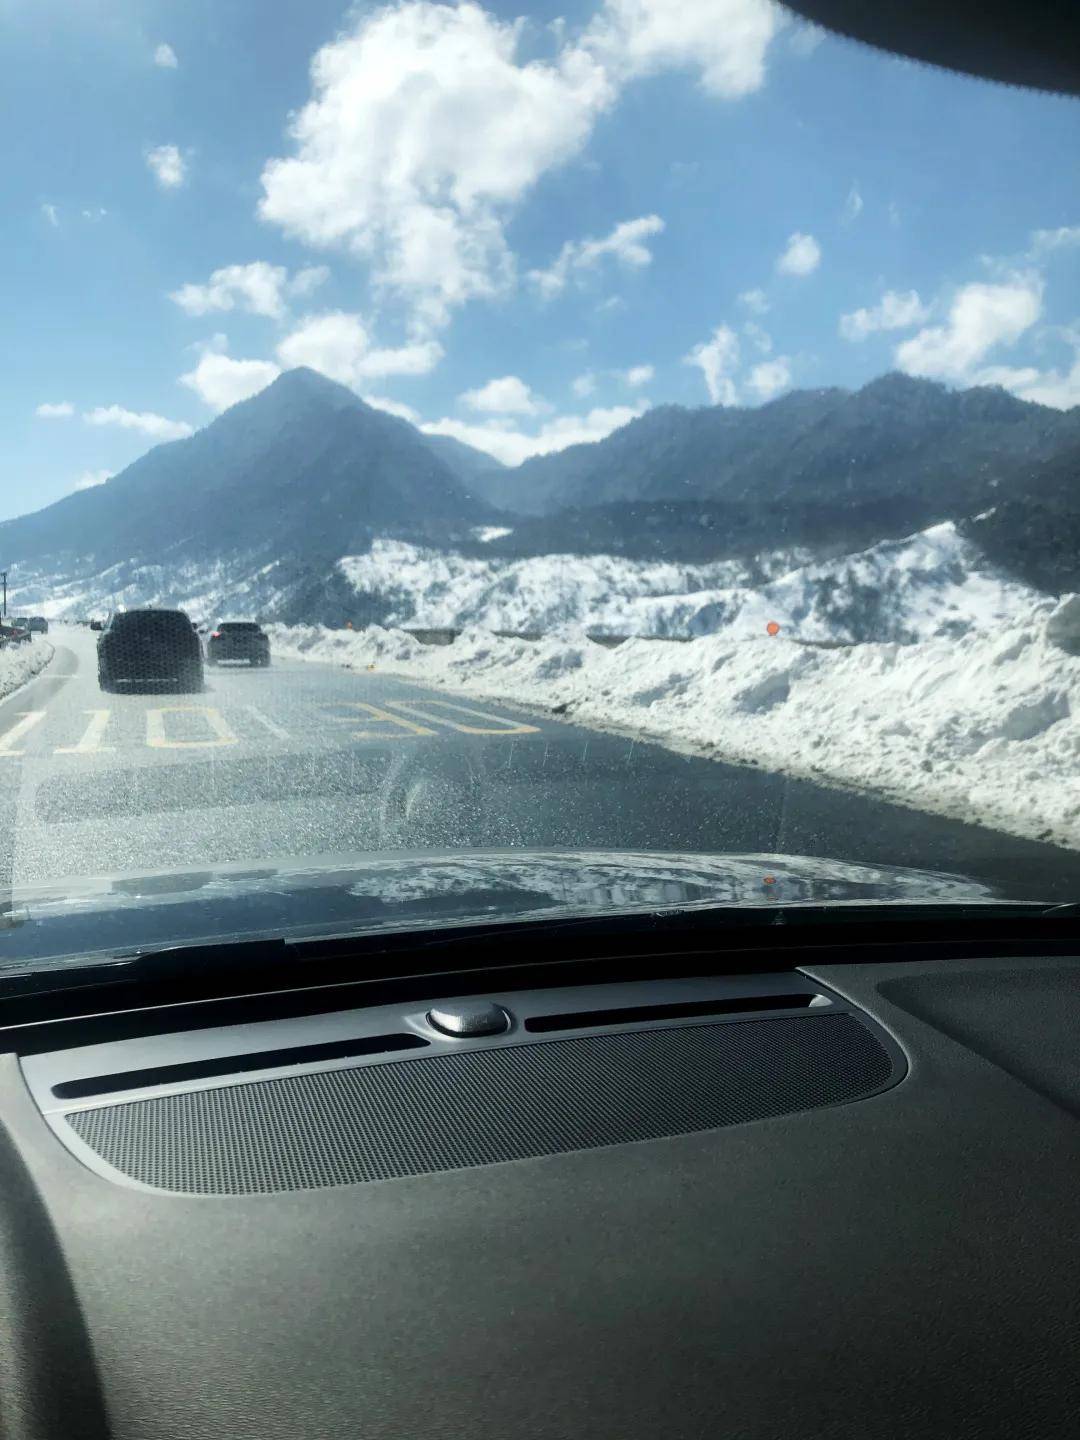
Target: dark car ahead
{"type": "Point", "coordinates": [14, 632]}
{"type": "Point", "coordinates": [149, 647]}
{"type": "Point", "coordinates": [238, 640]}
{"type": "Point", "coordinates": [38, 625]}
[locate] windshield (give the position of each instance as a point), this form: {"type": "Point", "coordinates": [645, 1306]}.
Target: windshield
{"type": "Point", "coordinates": [632, 429]}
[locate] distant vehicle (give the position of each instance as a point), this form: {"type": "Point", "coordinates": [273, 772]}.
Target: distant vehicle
{"type": "Point", "coordinates": [149, 647]}
{"type": "Point", "coordinates": [38, 625]}
{"type": "Point", "coordinates": [238, 640]}
{"type": "Point", "coordinates": [13, 633]}
{"type": "Point", "coordinates": [97, 624]}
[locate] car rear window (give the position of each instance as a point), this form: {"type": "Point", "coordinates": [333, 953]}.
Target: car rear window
{"type": "Point", "coordinates": [153, 622]}
{"type": "Point", "coordinates": [241, 625]}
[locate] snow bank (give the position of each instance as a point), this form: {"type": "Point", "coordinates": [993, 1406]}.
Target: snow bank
{"type": "Point", "coordinates": [932, 583]}
{"type": "Point", "coordinates": [20, 663]}
{"type": "Point", "coordinates": [985, 728]}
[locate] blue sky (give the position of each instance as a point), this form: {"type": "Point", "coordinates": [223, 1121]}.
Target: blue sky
{"type": "Point", "coordinates": [517, 234]}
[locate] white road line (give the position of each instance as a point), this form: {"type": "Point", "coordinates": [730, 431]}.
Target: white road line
{"type": "Point", "coordinates": [157, 739]}
{"type": "Point", "coordinates": [18, 730]}
{"type": "Point", "coordinates": [266, 722]}
{"type": "Point", "coordinates": [90, 744]}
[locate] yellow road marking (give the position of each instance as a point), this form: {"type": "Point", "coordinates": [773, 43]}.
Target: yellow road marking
{"type": "Point", "coordinates": [376, 714]}
{"type": "Point", "coordinates": [503, 725]}
{"type": "Point", "coordinates": [266, 722]}
{"type": "Point", "coordinates": [159, 740]}
{"type": "Point", "coordinates": [18, 730]}
{"type": "Point", "coordinates": [90, 744]}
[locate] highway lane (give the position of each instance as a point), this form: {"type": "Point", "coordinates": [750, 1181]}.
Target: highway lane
{"type": "Point", "coordinates": [305, 759]}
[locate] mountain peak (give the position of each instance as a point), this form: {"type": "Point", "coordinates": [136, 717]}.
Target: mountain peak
{"type": "Point", "coordinates": [304, 383]}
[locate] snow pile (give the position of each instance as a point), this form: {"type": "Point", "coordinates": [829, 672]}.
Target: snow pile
{"type": "Point", "coordinates": [20, 663]}
{"type": "Point", "coordinates": [985, 729]}
{"type": "Point", "coordinates": [933, 583]}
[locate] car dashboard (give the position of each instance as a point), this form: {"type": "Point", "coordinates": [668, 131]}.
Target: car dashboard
{"type": "Point", "coordinates": [820, 1195]}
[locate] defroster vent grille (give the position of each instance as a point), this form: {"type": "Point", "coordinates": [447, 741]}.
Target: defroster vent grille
{"type": "Point", "coordinates": [480, 1107]}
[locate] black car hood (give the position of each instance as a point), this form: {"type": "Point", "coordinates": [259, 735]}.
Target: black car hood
{"type": "Point", "coordinates": [83, 918]}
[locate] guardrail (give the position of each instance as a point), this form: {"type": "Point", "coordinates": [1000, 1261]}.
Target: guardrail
{"type": "Point", "coordinates": [447, 636]}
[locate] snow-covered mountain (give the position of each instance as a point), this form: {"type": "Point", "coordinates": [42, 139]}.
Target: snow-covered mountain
{"type": "Point", "coordinates": [304, 469]}
{"type": "Point", "coordinates": [932, 584]}
{"type": "Point", "coordinates": [843, 516]}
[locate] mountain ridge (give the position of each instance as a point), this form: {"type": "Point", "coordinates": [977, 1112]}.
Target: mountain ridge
{"type": "Point", "coordinates": [275, 491]}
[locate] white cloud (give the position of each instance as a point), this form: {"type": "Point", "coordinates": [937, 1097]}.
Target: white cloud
{"type": "Point", "coordinates": [307, 280]}
{"type": "Point", "coordinates": [421, 130]}
{"type": "Point", "coordinates": [716, 358]}
{"type": "Point", "coordinates": [505, 396]}
{"type": "Point", "coordinates": [338, 345]}
{"type": "Point", "coordinates": [98, 212]}
{"type": "Point", "coordinates": [165, 57]}
{"type": "Point", "coordinates": [1043, 242]}
{"type": "Point", "coordinates": [638, 375]}
{"type": "Point", "coordinates": [624, 244]}
{"type": "Point", "coordinates": [980, 318]}
{"type": "Point", "coordinates": [853, 205]}
{"type": "Point", "coordinates": [725, 40]}
{"type": "Point", "coordinates": [51, 214]}
{"type": "Point", "coordinates": [894, 311]}
{"type": "Point", "coordinates": [512, 446]}
{"type": "Point", "coordinates": [770, 377]}
{"type": "Point", "coordinates": [220, 381]}
{"type": "Point", "coordinates": [425, 128]}
{"type": "Point", "coordinates": [1046, 387]}
{"type": "Point", "coordinates": [756, 301]}
{"type": "Point", "coordinates": [804, 39]}
{"type": "Point", "coordinates": [90, 479]}
{"type": "Point", "coordinates": [393, 407]}
{"type": "Point", "coordinates": [61, 410]}
{"type": "Point", "coordinates": [168, 166]}
{"type": "Point", "coordinates": [257, 287]}
{"type": "Point", "coordinates": [801, 255]}
{"type": "Point", "coordinates": [894, 215]}
{"type": "Point", "coordinates": [584, 385]}
{"type": "Point", "coordinates": [145, 422]}
{"type": "Point", "coordinates": [758, 336]}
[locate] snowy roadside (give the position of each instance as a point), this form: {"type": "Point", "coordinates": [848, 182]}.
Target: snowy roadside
{"type": "Point", "coordinates": [983, 728]}
{"type": "Point", "coordinates": [20, 663]}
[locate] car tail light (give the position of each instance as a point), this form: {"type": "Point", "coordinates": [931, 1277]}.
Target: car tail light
{"type": "Point", "coordinates": [215, 634]}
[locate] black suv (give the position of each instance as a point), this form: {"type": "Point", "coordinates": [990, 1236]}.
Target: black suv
{"type": "Point", "coordinates": [149, 647]}
{"type": "Point", "coordinates": [238, 640]}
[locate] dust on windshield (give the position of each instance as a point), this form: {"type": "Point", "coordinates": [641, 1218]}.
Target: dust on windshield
{"type": "Point", "coordinates": [635, 427]}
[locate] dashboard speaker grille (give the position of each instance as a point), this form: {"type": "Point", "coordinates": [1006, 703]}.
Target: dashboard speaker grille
{"type": "Point", "coordinates": [480, 1107]}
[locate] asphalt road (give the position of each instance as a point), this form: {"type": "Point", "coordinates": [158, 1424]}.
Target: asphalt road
{"type": "Point", "coordinates": [305, 759]}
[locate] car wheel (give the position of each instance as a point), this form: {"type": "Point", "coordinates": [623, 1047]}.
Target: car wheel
{"type": "Point", "coordinates": [105, 683]}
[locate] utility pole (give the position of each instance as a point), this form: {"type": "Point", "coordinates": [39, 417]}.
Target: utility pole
{"type": "Point", "coordinates": [3, 607]}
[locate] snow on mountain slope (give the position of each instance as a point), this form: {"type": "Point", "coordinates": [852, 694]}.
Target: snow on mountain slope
{"type": "Point", "coordinates": [984, 729]}
{"type": "Point", "coordinates": [238, 584]}
{"type": "Point", "coordinates": [436, 589]}
{"type": "Point", "coordinates": [931, 583]}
